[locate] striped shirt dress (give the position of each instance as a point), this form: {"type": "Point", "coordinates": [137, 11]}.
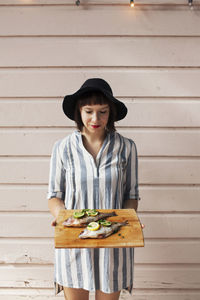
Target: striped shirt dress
{"type": "Point", "coordinates": [102, 183]}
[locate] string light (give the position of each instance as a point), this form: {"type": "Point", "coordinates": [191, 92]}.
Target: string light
{"type": "Point", "coordinates": [190, 3]}
{"type": "Point", "coordinates": [132, 3]}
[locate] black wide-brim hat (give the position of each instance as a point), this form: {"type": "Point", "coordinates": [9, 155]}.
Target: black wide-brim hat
{"type": "Point", "coordinates": [93, 84]}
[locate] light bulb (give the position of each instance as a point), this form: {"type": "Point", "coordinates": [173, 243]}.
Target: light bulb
{"type": "Point", "coordinates": [132, 3]}
{"type": "Point", "coordinates": [190, 2]}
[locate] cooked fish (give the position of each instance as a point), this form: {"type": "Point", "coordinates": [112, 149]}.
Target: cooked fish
{"type": "Point", "coordinates": [102, 232]}
{"type": "Point", "coordinates": [84, 221]}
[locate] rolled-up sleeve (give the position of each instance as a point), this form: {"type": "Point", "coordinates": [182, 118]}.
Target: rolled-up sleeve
{"type": "Point", "coordinates": [56, 186]}
{"type": "Point", "coordinates": [131, 175]}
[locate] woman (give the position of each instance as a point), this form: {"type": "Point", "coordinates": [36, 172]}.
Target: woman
{"type": "Point", "coordinates": [94, 167]}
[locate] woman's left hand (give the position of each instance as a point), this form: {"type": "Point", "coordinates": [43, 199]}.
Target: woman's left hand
{"type": "Point", "coordinates": [54, 223]}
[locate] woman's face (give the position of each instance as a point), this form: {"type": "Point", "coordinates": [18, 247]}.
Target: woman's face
{"type": "Point", "coordinates": [95, 117]}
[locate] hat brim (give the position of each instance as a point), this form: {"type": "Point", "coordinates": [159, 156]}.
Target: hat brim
{"type": "Point", "coordinates": [69, 102]}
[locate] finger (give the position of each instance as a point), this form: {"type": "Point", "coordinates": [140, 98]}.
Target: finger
{"type": "Point", "coordinates": [143, 226]}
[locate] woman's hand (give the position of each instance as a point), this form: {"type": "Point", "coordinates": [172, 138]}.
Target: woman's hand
{"type": "Point", "coordinates": [54, 223]}
{"type": "Point", "coordinates": [55, 205]}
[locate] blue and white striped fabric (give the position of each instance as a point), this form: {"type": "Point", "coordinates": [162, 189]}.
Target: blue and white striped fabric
{"type": "Point", "coordinates": [105, 183]}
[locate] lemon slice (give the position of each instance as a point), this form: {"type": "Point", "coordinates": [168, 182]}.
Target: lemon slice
{"type": "Point", "coordinates": [78, 214]}
{"type": "Point", "coordinates": [92, 212]}
{"type": "Point", "coordinates": [93, 226]}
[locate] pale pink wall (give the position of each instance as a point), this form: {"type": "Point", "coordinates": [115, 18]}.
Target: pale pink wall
{"type": "Point", "coordinates": [151, 57]}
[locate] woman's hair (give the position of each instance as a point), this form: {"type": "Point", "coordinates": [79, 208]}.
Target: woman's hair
{"type": "Point", "coordinates": [93, 98]}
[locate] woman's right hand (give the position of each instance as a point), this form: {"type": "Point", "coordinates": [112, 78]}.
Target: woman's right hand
{"type": "Point", "coordinates": [55, 205]}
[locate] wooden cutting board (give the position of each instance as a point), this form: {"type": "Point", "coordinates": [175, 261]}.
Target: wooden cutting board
{"type": "Point", "coordinates": [127, 236]}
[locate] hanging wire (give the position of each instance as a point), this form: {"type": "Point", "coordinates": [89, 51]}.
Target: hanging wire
{"type": "Point", "coordinates": [132, 4]}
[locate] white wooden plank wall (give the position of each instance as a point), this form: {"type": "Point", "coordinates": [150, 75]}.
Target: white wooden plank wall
{"type": "Point", "coordinates": [151, 57]}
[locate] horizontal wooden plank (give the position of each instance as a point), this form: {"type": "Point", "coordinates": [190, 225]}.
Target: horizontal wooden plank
{"type": "Point", "coordinates": [29, 225]}
{"type": "Point", "coordinates": [166, 276]}
{"type": "Point", "coordinates": [172, 142]}
{"type": "Point", "coordinates": [150, 142]}
{"type": "Point", "coordinates": [118, 20]}
{"type": "Point", "coordinates": [41, 251]}
{"type": "Point", "coordinates": [166, 295]}
{"type": "Point", "coordinates": [169, 171]}
{"type": "Point", "coordinates": [168, 252]}
{"type": "Point", "coordinates": [151, 171]}
{"type": "Point", "coordinates": [162, 51]}
{"type": "Point", "coordinates": [161, 199]}
{"type": "Point", "coordinates": [24, 198]}
{"type": "Point", "coordinates": [170, 226]}
{"type": "Point", "coordinates": [30, 297]}
{"type": "Point", "coordinates": [170, 199]}
{"type": "Point", "coordinates": [27, 251]}
{"type": "Point", "coordinates": [153, 294]}
{"type": "Point", "coordinates": [161, 277]}
{"type": "Point", "coordinates": [141, 113]}
{"type": "Point", "coordinates": [156, 225]}
{"type": "Point", "coordinates": [29, 294]}
{"type": "Point", "coordinates": [24, 171]}
{"type": "Point", "coordinates": [36, 294]}
{"type": "Point", "coordinates": [126, 82]}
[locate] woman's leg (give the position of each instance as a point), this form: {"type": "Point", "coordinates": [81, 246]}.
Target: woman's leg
{"type": "Point", "coordinates": [99, 295]}
{"type": "Point", "coordinates": [76, 294]}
